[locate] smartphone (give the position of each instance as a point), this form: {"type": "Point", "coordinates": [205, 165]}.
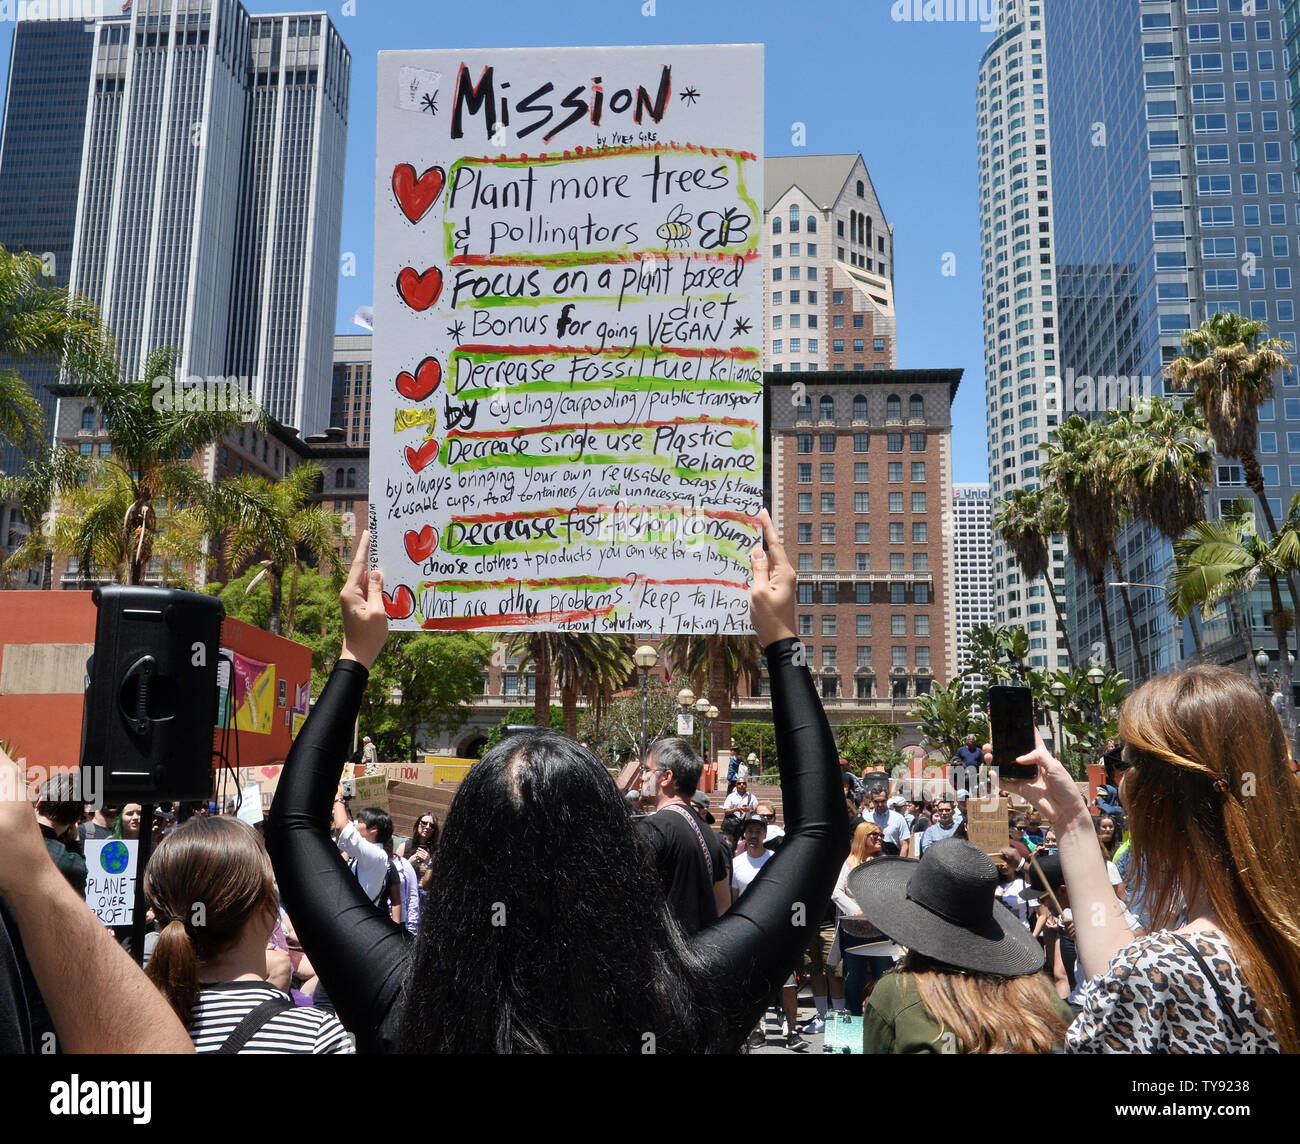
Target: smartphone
{"type": "Point", "coordinates": [1011, 727]}
{"type": "Point", "coordinates": [349, 789]}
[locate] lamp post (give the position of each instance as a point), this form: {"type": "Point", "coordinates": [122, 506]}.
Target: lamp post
{"type": "Point", "coordinates": [712, 714]}
{"type": "Point", "coordinates": [1095, 677]}
{"type": "Point", "coordinates": [685, 699]}
{"type": "Point", "coordinates": [752, 759]}
{"type": "Point", "coordinates": [645, 657]}
{"type": "Point", "coordinates": [1261, 666]}
{"type": "Point", "coordinates": [1058, 690]}
{"type": "Point", "coordinates": [702, 709]}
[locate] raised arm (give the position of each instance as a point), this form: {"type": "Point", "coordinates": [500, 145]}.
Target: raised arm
{"type": "Point", "coordinates": [754, 946]}
{"type": "Point", "coordinates": [99, 1000]}
{"type": "Point", "coordinates": [1101, 928]}
{"type": "Point", "coordinates": [358, 952]}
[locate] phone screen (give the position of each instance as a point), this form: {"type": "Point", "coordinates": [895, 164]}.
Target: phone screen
{"type": "Point", "coordinates": [1011, 727]}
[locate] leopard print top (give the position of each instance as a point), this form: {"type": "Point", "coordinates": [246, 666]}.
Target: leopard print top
{"type": "Point", "coordinates": [1154, 999]}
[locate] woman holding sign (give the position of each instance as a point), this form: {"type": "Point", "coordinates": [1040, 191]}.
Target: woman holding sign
{"type": "Point", "coordinates": [546, 929]}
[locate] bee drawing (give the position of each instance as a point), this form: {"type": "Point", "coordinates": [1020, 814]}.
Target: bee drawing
{"type": "Point", "coordinates": [676, 228]}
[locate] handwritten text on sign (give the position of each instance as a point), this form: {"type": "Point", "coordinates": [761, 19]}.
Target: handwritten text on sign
{"type": "Point", "coordinates": [110, 879]}
{"type": "Point", "coordinates": [568, 326]}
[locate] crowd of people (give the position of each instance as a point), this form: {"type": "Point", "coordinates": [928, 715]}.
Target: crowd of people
{"type": "Point", "coordinates": [558, 910]}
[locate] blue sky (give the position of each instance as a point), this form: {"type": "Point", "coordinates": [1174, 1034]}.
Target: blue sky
{"type": "Point", "coordinates": [901, 93]}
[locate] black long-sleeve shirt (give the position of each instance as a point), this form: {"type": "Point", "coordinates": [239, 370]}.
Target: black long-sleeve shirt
{"type": "Point", "coordinates": [362, 955]}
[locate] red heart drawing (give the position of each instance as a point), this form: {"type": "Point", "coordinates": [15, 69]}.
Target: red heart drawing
{"type": "Point", "coordinates": [416, 194]}
{"type": "Point", "coordinates": [419, 291]}
{"type": "Point", "coordinates": [270, 772]}
{"type": "Point", "coordinates": [423, 382]}
{"type": "Point", "coordinates": [418, 458]}
{"type": "Point", "coordinates": [400, 604]}
{"type": "Point", "coordinates": [420, 544]}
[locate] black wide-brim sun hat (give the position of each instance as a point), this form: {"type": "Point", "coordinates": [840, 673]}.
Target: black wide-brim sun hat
{"type": "Point", "coordinates": [943, 907]}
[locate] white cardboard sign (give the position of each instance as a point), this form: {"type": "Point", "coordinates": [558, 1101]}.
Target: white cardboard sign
{"type": "Point", "coordinates": [110, 879]}
{"type": "Point", "coordinates": [566, 428]}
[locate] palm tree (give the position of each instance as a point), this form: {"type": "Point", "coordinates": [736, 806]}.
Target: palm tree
{"type": "Point", "coordinates": [40, 321]}
{"type": "Point", "coordinates": [278, 520]}
{"type": "Point", "coordinates": [114, 500]}
{"type": "Point", "coordinates": [1083, 466]}
{"type": "Point", "coordinates": [1220, 557]}
{"type": "Point", "coordinates": [1026, 521]}
{"type": "Point", "coordinates": [1168, 457]}
{"type": "Point", "coordinates": [1229, 371]}
{"type": "Point", "coordinates": [715, 666]}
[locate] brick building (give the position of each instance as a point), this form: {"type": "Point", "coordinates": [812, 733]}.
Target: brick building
{"type": "Point", "coordinates": [859, 477]}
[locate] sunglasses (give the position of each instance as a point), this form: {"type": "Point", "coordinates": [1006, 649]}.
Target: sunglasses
{"type": "Point", "coordinates": [875, 836]}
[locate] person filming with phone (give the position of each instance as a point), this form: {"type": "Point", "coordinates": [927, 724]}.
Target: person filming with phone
{"type": "Point", "coordinates": [1214, 821]}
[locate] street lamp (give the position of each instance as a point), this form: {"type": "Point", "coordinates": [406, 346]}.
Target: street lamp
{"type": "Point", "coordinates": [1095, 676]}
{"type": "Point", "coordinates": [702, 708]}
{"type": "Point", "coordinates": [645, 657]}
{"type": "Point", "coordinates": [712, 714]}
{"type": "Point", "coordinates": [1058, 690]}
{"type": "Point", "coordinates": [752, 759]}
{"type": "Point", "coordinates": [685, 698]}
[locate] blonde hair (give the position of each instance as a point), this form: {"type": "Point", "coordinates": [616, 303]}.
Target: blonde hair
{"type": "Point", "coordinates": [1214, 810]}
{"type": "Point", "coordinates": [987, 1013]}
{"type": "Point", "coordinates": [858, 851]}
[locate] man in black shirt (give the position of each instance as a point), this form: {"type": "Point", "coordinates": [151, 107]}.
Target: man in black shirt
{"type": "Point", "coordinates": [686, 854]}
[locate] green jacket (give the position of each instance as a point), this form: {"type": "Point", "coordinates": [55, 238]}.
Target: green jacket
{"type": "Point", "coordinates": [895, 1021]}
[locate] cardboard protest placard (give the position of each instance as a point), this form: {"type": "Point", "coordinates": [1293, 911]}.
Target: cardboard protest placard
{"type": "Point", "coordinates": [370, 790]}
{"type": "Point", "coordinates": [250, 809]}
{"type": "Point", "coordinates": [419, 773]}
{"type": "Point", "coordinates": [110, 879]}
{"type": "Point", "coordinates": [986, 825]}
{"type": "Point", "coordinates": [567, 424]}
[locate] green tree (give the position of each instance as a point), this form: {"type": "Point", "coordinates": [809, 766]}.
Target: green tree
{"type": "Point", "coordinates": [1167, 461]}
{"type": "Point", "coordinates": [111, 518]}
{"type": "Point", "coordinates": [1027, 520]}
{"type": "Point", "coordinates": [38, 321]}
{"type": "Point", "coordinates": [518, 717]}
{"type": "Point", "coordinates": [617, 737]}
{"type": "Point", "coordinates": [1219, 558]}
{"type": "Point", "coordinates": [318, 621]}
{"type": "Point", "coordinates": [278, 521]}
{"type": "Point", "coordinates": [423, 685]}
{"type": "Point", "coordinates": [1084, 467]}
{"type": "Point", "coordinates": [869, 743]}
{"type": "Point", "coordinates": [715, 666]}
{"type": "Point", "coordinates": [945, 719]}
{"type": "Point", "coordinates": [751, 737]}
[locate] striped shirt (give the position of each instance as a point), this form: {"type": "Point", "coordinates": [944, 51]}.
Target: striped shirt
{"type": "Point", "coordinates": [222, 1005]}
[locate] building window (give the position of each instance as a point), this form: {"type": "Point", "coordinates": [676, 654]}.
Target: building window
{"type": "Point", "coordinates": [895, 502]}
{"type": "Point", "coordinates": [862, 532]}
{"type": "Point", "coordinates": [921, 593]}
{"type": "Point", "coordinates": [859, 402]}
{"type": "Point", "coordinates": [860, 442]}
{"type": "Point", "coordinates": [828, 502]}
{"type": "Point", "coordinates": [829, 624]}
{"type": "Point", "coordinates": [918, 442]}
{"type": "Point", "coordinates": [898, 593]}
{"type": "Point", "coordinates": [919, 532]}
{"type": "Point", "coordinates": [828, 473]}
{"type": "Point", "coordinates": [920, 627]}
{"type": "Point", "coordinates": [88, 417]}
{"type": "Point", "coordinates": [918, 502]}
{"type": "Point", "coordinates": [805, 502]}
{"type": "Point", "coordinates": [918, 471]}
{"type": "Point", "coordinates": [894, 442]}
{"type": "Point", "coordinates": [828, 534]}
{"type": "Point", "coordinates": [805, 593]}
{"type": "Point", "coordinates": [828, 594]}
{"type": "Point", "coordinates": [805, 474]}
{"type": "Point", "coordinates": [895, 472]}
{"type": "Point", "coordinates": [864, 624]}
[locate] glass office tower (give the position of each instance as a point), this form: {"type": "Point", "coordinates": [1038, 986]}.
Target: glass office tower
{"type": "Point", "coordinates": [1175, 197]}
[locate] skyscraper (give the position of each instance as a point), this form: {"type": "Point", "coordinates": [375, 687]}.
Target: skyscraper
{"type": "Point", "coordinates": [209, 201]}
{"type": "Point", "coordinates": [40, 160]}
{"type": "Point", "coordinates": [1020, 304]}
{"type": "Point", "coordinates": [1174, 198]}
{"type": "Point", "coordinates": [972, 542]}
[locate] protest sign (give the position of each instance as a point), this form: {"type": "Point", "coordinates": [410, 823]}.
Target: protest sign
{"type": "Point", "coordinates": [986, 825]}
{"type": "Point", "coordinates": [370, 790]}
{"type": "Point", "coordinates": [419, 773]}
{"type": "Point", "coordinates": [567, 407]}
{"type": "Point", "coordinates": [110, 879]}
{"type": "Point", "coordinates": [250, 809]}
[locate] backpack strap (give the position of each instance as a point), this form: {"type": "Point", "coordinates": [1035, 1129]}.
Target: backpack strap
{"type": "Point", "coordinates": [699, 835]}
{"type": "Point", "coordinates": [253, 1020]}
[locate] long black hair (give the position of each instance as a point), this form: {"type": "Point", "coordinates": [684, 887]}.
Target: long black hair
{"type": "Point", "coordinates": [546, 929]}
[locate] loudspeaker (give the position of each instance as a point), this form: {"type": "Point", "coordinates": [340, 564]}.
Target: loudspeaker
{"type": "Point", "coordinates": [151, 694]}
